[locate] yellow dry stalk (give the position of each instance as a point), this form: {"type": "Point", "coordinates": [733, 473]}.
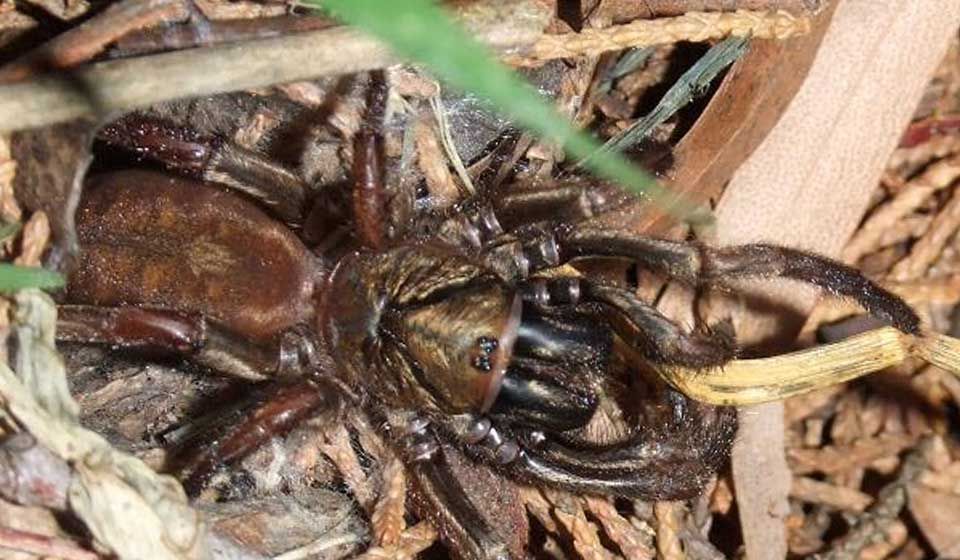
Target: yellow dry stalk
{"type": "Point", "coordinates": [693, 26]}
{"type": "Point", "coordinates": [743, 382]}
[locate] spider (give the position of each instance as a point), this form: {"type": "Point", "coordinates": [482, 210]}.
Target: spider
{"type": "Point", "coordinates": [451, 332]}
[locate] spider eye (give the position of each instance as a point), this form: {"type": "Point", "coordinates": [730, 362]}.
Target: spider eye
{"type": "Point", "coordinates": [460, 347]}
{"type": "Point", "coordinates": [482, 360]}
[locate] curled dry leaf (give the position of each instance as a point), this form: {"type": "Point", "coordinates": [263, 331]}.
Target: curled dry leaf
{"type": "Point", "coordinates": [108, 486]}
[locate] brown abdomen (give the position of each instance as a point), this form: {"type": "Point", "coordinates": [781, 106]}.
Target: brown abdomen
{"type": "Point", "coordinates": [149, 238]}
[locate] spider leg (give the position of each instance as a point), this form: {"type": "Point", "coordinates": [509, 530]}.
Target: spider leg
{"type": "Point", "coordinates": [695, 264]}
{"type": "Point", "coordinates": [639, 324]}
{"type": "Point", "coordinates": [571, 202]}
{"type": "Point", "coordinates": [439, 494]}
{"type": "Point", "coordinates": [212, 159]}
{"type": "Point", "coordinates": [369, 197]}
{"type": "Point", "coordinates": [283, 408]}
{"type": "Point", "coordinates": [189, 335]}
{"type": "Point", "coordinates": [663, 462]}
{"type": "Point", "coordinates": [480, 224]}
{"type": "Point", "coordinates": [445, 501]}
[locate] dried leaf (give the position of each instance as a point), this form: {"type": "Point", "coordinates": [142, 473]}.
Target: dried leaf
{"type": "Point", "coordinates": [109, 488]}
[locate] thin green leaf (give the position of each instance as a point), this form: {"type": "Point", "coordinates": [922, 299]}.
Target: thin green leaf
{"type": "Point", "coordinates": [692, 84]}
{"type": "Point", "coordinates": [13, 277]}
{"type": "Point", "coordinates": [421, 31]}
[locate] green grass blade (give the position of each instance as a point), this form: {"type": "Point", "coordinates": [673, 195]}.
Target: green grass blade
{"type": "Point", "coordinates": [421, 31]}
{"type": "Point", "coordinates": [13, 277]}
{"type": "Point", "coordinates": [691, 84]}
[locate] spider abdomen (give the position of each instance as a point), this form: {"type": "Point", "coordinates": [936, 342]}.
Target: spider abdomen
{"type": "Point", "coordinates": [156, 240]}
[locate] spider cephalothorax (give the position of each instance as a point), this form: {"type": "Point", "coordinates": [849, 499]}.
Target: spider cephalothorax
{"type": "Point", "coordinates": [449, 334]}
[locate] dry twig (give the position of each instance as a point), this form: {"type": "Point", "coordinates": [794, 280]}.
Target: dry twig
{"type": "Point", "coordinates": [816, 492]}
{"type": "Point", "coordinates": [81, 43]}
{"type": "Point", "coordinates": [697, 27]}
{"type": "Point", "coordinates": [109, 87]}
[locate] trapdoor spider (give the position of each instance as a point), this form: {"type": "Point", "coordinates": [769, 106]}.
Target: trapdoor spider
{"type": "Point", "coordinates": [448, 333]}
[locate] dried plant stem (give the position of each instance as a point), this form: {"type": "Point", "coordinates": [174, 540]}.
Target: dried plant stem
{"type": "Point", "coordinates": [695, 26]}
{"type": "Point", "coordinates": [840, 497]}
{"type": "Point", "coordinates": [935, 148]}
{"type": "Point", "coordinates": [387, 520]}
{"type": "Point", "coordinates": [767, 379]}
{"type": "Point", "coordinates": [661, 8]}
{"type": "Point", "coordinates": [109, 87]}
{"type": "Point", "coordinates": [836, 459]}
{"type": "Point", "coordinates": [669, 546]}
{"type": "Point", "coordinates": [626, 536]}
{"type": "Point", "coordinates": [761, 380]}
{"type": "Point", "coordinates": [87, 39]}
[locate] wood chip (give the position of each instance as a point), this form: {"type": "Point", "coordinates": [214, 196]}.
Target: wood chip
{"type": "Point", "coordinates": [838, 497]}
{"type": "Point", "coordinates": [632, 542]}
{"type": "Point", "coordinates": [836, 459]}
{"type": "Point", "coordinates": [669, 546]}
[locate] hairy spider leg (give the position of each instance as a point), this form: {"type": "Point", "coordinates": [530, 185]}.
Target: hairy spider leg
{"type": "Point", "coordinates": [638, 323]}
{"type": "Point", "coordinates": [647, 464]}
{"type": "Point", "coordinates": [446, 504]}
{"type": "Point", "coordinates": [186, 335]}
{"type": "Point", "coordinates": [369, 197]}
{"type": "Point", "coordinates": [212, 159]}
{"type": "Point", "coordinates": [284, 407]}
{"type": "Point", "coordinates": [697, 265]}
{"type": "Point", "coordinates": [552, 243]}
{"type": "Point", "coordinates": [565, 203]}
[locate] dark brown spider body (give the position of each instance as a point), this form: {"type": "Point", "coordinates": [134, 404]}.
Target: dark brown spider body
{"type": "Point", "coordinates": [154, 239]}
{"type": "Point", "coordinates": [451, 335]}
